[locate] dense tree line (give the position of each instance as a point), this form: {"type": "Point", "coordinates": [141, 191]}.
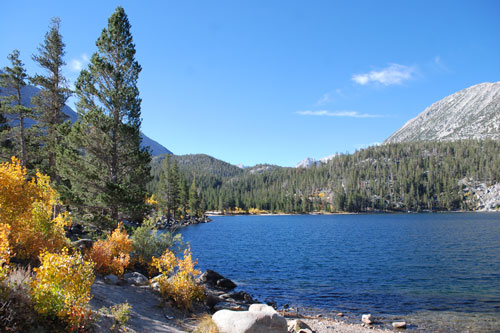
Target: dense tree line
{"type": "Point", "coordinates": [419, 176]}
{"type": "Point", "coordinates": [97, 163]}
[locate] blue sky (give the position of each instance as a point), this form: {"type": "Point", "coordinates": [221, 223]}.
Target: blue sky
{"type": "Point", "coordinates": [277, 81]}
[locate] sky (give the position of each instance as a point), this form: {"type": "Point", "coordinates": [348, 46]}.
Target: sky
{"type": "Point", "coordinates": [262, 81]}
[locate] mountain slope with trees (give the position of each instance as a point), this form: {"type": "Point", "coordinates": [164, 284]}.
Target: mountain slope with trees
{"type": "Point", "coordinates": [418, 176]}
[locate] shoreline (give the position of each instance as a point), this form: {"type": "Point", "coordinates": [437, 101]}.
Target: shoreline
{"type": "Point", "coordinates": [213, 213]}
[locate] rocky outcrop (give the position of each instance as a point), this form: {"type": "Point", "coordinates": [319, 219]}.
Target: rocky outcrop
{"type": "Point", "coordinates": [214, 279]}
{"type": "Point", "coordinates": [481, 197]}
{"type": "Point", "coordinates": [258, 318]}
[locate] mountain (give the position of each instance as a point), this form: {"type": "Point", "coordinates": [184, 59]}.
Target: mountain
{"type": "Point", "coordinates": [309, 161]}
{"type": "Point", "coordinates": [472, 113]}
{"type": "Point", "coordinates": [29, 91]}
{"type": "Point", "coordinates": [306, 163]}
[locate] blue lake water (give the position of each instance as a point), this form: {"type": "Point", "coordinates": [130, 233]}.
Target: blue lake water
{"type": "Point", "coordinates": [437, 271]}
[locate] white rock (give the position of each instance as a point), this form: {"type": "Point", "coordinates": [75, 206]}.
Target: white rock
{"type": "Point", "coordinates": [259, 318]}
{"type": "Point", "coordinates": [399, 324]}
{"type": "Point", "coordinates": [367, 319]}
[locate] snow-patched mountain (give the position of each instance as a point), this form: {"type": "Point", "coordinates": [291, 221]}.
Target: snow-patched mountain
{"type": "Point", "coordinates": [306, 163]}
{"type": "Point", "coordinates": [472, 113]}
{"type": "Point", "coordinates": [309, 161]}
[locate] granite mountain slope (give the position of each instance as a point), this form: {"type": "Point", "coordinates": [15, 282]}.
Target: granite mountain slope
{"type": "Point", "coordinates": [471, 113]}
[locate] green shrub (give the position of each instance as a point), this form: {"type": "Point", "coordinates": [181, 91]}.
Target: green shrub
{"type": "Point", "coordinates": [149, 243]}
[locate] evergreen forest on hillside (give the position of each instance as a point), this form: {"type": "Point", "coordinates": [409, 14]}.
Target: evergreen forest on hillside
{"type": "Point", "coordinates": [419, 176]}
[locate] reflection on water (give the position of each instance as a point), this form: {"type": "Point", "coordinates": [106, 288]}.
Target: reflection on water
{"type": "Point", "coordinates": [421, 267]}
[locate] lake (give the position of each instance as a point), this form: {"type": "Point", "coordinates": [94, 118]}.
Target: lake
{"type": "Point", "coordinates": [436, 271]}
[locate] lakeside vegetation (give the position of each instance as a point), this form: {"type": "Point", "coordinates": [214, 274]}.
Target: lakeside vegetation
{"type": "Point", "coordinates": [92, 173]}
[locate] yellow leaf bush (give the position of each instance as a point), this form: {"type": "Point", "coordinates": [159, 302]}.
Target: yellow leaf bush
{"type": "Point", "coordinates": [177, 280]}
{"type": "Point", "coordinates": [62, 287]}
{"type": "Point", "coordinates": [4, 250]}
{"type": "Point", "coordinates": [112, 256]}
{"type": "Point", "coordinates": [28, 208]}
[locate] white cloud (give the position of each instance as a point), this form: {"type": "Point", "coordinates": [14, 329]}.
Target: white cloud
{"type": "Point", "coordinates": [329, 97]}
{"type": "Point", "coordinates": [76, 65]}
{"type": "Point", "coordinates": [393, 74]}
{"type": "Point", "coordinates": [351, 114]}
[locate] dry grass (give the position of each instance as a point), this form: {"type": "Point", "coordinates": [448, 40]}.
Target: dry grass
{"type": "Point", "coordinates": [16, 310]}
{"type": "Point", "coordinates": [206, 325]}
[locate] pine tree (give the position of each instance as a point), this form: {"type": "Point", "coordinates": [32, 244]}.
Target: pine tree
{"type": "Point", "coordinates": [6, 146]}
{"type": "Point", "coordinates": [52, 97]}
{"type": "Point", "coordinates": [194, 199]}
{"type": "Point", "coordinates": [107, 169]}
{"type": "Point", "coordinates": [12, 81]}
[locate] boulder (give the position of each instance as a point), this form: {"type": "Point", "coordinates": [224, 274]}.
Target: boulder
{"type": "Point", "coordinates": [241, 296]}
{"type": "Point", "coordinates": [210, 277]}
{"type": "Point", "coordinates": [111, 279]}
{"type": "Point", "coordinates": [259, 318]}
{"type": "Point", "coordinates": [297, 325]}
{"type": "Point", "coordinates": [226, 284]}
{"type": "Point", "coordinates": [399, 325]}
{"type": "Point", "coordinates": [212, 300]}
{"type": "Point", "coordinates": [83, 244]}
{"type": "Point", "coordinates": [367, 319]}
{"type": "Point", "coordinates": [136, 278]}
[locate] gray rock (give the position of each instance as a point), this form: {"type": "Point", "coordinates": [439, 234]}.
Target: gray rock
{"type": "Point", "coordinates": [111, 279]}
{"type": "Point", "coordinates": [210, 277]}
{"type": "Point", "coordinates": [226, 284]}
{"type": "Point", "coordinates": [367, 319]}
{"type": "Point", "coordinates": [259, 318]}
{"type": "Point", "coordinates": [136, 278]}
{"type": "Point", "coordinates": [399, 324]}
{"type": "Point", "coordinates": [241, 296]}
{"type": "Point", "coordinates": [229, 306]}
{"type": "Point", "coordinates": [212, 300]}
{"type": "Point", "coordinates": [83, 244]}
{"type": "Point", "coordinates": [297, 325]}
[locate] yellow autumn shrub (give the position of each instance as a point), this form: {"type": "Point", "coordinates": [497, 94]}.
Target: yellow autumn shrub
{"type": "Point", "coordinates": [112, 256]}
{"type": "Point", "coordinates": [62, 287]}
{"type": "Point", "coordinates": [28, 207]}
{"type": "Point", "coordinates": [5, 252]}
{"type": "Point", "coordinates": [177, 280]}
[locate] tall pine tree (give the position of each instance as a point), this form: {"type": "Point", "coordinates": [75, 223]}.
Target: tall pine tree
{"type": "Point", "coordinates": [103, 161]}
{"type": "Point", "coordinates": [52, 97]}
{"type": "Point", "coordinates": [12, 81]}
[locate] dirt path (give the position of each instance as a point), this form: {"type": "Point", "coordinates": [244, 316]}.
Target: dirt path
{"type": "Point", "coordinates": [147, 313]}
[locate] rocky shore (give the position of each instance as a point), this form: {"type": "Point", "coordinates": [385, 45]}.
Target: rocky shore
{"type": "Point", "coordinates": [230, 310]}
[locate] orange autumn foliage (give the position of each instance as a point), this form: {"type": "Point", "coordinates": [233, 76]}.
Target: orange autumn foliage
{"type": "Point", "coordinates": [112, 256]}
{"type": "Point", "coordinates": [28, 208]}
{"type": "Point", "coordinates": [177, 280]}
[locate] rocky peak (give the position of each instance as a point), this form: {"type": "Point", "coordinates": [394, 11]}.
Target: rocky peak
{"type": "Point", "coordinates": [471, 113]}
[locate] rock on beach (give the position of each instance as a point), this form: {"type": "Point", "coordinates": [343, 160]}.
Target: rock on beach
{"type": "Point", "coordinates": [258, 318]}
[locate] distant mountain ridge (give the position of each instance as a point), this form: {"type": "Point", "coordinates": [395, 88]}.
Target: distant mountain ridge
{"type": "Point", "coordinates": [471, 113]}
{"type": "Point", "coordinates": [309, 161]}
{"type": "Point", "coordinates": [29, 91]}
